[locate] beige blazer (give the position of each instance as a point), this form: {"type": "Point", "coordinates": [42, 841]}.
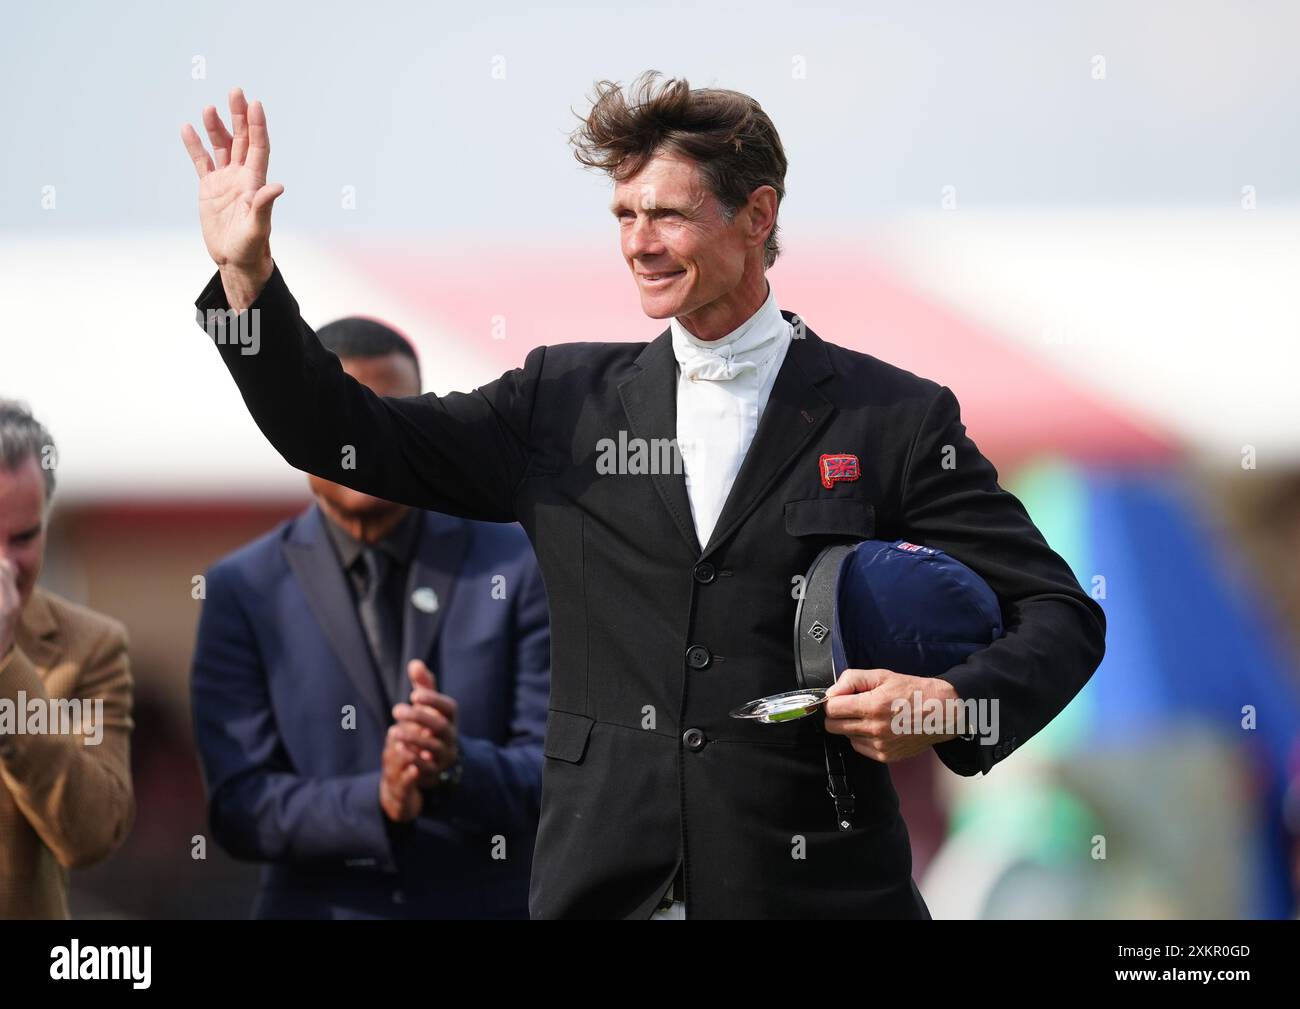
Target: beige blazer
{"type": "Point", "coordinates": [63, 804]}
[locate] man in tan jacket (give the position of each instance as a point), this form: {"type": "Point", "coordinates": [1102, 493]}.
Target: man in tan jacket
{"type": "Point", "coordinates": [65, 700]}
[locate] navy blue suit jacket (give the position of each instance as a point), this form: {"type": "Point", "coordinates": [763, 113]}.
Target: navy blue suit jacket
{"type": "Point", "coordinates": [290, 721]}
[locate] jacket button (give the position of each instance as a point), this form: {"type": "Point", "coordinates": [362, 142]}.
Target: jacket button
{"type": "Point", "coordinates": [705, 573]}
{"type": "Point", "coordinates": [694, 739]}
{"type": "Point", "coordinates": [698, 657]}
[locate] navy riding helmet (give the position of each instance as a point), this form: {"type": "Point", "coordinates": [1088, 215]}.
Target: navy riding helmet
{"type": "Point", "coordinates": [899, 606]}
{"type": "Point", "coordinates": [877, 605]}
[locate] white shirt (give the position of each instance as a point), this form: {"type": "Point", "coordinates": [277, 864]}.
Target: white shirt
{"type": "Point", "coordinates": [722, 388]}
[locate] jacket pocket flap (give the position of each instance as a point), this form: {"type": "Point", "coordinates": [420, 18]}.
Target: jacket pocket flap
{"type": "Point", "coordinates": [566, 735]}
{"type": "Point", "coordinates": [829, 517]}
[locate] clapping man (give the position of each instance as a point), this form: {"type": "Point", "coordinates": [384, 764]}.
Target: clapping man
{"type": "Point", "coordinates": [310, 642]}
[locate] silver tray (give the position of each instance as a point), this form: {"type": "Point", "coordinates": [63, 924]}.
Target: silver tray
{"type": "Point", "coordinates": [787, 707]}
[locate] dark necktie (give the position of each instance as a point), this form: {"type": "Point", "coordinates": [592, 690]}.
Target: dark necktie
{"type": "Point", "coordinates": [380, 618]}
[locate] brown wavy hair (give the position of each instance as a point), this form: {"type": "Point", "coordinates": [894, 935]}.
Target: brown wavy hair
{"type": "Point", "coordinates": [726, 133]}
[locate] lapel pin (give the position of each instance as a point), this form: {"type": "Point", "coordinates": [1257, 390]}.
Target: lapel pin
{"type": "Point", "coordinates": [842, 467]}
{"type": "Point", "coordinates": [425, 599]}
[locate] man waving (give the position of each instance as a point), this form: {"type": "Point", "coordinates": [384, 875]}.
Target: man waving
{"type": "Point", "coordinates": [670, 585]}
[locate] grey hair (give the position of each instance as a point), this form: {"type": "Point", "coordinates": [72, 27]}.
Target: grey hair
{"type": "Point", "coordinates": [22, 435]}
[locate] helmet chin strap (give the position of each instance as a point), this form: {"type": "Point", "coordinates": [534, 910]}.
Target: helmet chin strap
{"type": "Point", "coordinates": [814, 663]}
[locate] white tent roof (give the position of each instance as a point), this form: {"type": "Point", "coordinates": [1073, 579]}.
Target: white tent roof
{"type": "Point", "coordinates": [1192, 318]}
{"type": "Point", "coordinates": [103, 347]}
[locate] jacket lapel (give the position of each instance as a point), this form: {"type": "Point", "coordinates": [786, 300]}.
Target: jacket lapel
{"type": "Point", "coordinates": [322, 581]}
{"type": "Point", "coordinates": [795, 412]}
{"type": "Point", "coordinates": [650, 402]}
{"type": "Point", "coordinates": [439, 555]}
{"type": "Point", "coordinates": [37, 632]}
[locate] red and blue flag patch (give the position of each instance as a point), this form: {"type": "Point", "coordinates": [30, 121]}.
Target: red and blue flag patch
{"type": "Point", "coordinates": [842, 467]}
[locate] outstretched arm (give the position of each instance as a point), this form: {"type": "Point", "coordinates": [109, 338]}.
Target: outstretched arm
{"type": "Point", "coordinates": [463, 454]}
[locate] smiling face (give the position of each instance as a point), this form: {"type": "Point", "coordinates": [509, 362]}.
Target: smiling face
{"type": "Point", "coordinates": [687, 260]}
{"type": "Point", "coordinates": [22, 521]}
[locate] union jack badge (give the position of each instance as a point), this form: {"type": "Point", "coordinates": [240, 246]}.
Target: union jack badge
{"type": "Point", "coordinates": [839, 468]}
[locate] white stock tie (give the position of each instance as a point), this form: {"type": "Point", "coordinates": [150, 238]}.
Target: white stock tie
{"type": "Point", "coordinates": [721, 392]}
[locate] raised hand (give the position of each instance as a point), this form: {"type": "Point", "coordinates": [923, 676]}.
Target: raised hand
{"type": "Point", "coordinates": [234, 198]}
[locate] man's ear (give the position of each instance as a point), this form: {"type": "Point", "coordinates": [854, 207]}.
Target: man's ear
{"type": "Point", "coordinates": [762, 206]}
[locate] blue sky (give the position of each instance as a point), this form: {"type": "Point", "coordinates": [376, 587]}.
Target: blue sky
{"type": "Point", "coordinates": [399, 101]}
